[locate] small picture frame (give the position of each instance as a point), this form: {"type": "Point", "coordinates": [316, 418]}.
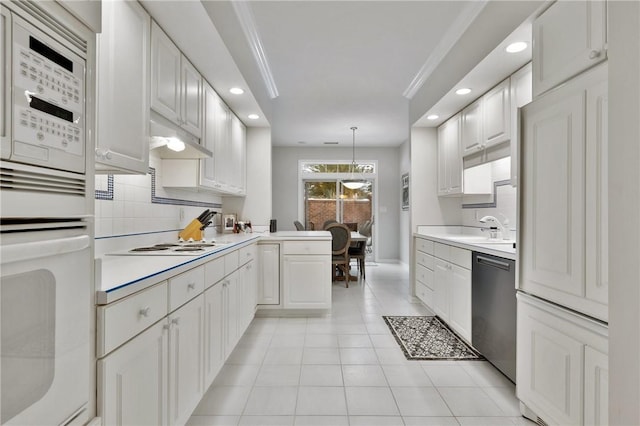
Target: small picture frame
{"type": "Point", "coordinates": [405, 191]}
{"type": "Point", "coordinates": [228, 222]}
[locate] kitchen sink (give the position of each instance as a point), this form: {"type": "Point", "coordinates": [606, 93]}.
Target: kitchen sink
{"type": "Point", "coordinates": [476, 239]}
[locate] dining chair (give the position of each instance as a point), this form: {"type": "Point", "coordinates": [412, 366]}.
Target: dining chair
{"type": "Point", "coordinates": [327, 223]}
{"type": "Point", "coordinates": [299, 226]}
{"type": "Point", "coordinates": [340, 241]}
{"type": "Point", "coordinates": [358, 250]}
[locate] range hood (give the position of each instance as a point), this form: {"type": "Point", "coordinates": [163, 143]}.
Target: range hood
{"type": "Point", "coordinates": [170, 141]}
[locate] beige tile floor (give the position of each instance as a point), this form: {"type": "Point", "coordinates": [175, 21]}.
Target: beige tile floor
{"type": "Point", "coordinates": [346, 369]}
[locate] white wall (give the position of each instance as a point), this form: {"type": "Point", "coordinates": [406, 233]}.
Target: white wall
{"type": "Point", "coordinates": [405, 215]}
{"type": "Point", "coordinates": [286, 196]}
{"type": "Point", "coordinates": [256, 206]}
{"type": "Point", "coordinates": [426, 207]}
{"type": "Point", "coordinates": [624, 221]}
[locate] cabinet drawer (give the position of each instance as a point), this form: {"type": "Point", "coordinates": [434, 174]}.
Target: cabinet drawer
{"type": "Point", "coordinates": [185, 287]}
{"type": "Point", "coordinates": [441, 250]}
{"type": "Point", "coordinates": [460, 257]}
{"type": "Point", "coordinates": [424, 259]}
{"type": "Point", "coordinates": [425, 294]}
{"type": "Point", "coordinates": [231, 262]}
{"type": "Point", "coordinates": [213, 271]}
{"type": "Point", "coordinates": [424, 276]}
{"type": "Point", "coordinates": [120, 321]}
{"type": "Point", "coordinates": [307, 247]}
{"type": "Point", "coordinates": [247, 254]}
{"type": "Point", "coordinates": [425, 246]}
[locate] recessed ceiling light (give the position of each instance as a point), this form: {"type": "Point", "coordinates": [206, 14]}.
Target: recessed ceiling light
{"type": "Point", "coordinates": [463, 91]}
{"type": "Point", "coordinates": [236, 91]}
{"type": "Point", "coordinates": [516, 47]}
{"type": "Point", "coordinates": [253, 116]}
{"type": "Point", "coordinates": [433, 117]}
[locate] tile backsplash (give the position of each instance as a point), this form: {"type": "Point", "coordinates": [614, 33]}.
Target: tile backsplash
{"type": "Point", "coordinates": [133, 204]}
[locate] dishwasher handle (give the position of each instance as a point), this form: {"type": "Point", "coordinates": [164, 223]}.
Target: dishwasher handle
{"type": "Point", "coordinates": [483, 260]}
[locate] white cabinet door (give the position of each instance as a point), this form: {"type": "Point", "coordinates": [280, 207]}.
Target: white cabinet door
{"type": "Point", "coordinates": [553, 186]}
{"type": "Point", "coordinates": [222, 149]}
{"type": "Point", "coordinates": [165, 75]}
{"type": "Point", "coordinates": [237, 159]}
{"type": "Point", "coordinates": [186, 375]}
{"type": "Point", "coordinates": [269, 274]}
{"type": "Point", "coordinates": [123, 88]}
{"type": "Point", "coordinates": [209, 135]}
{"type": "Point", "coordinates": [496, 113]}
{"type": "Point", "coordinates": [441, 289]}
{"type": "Point", "coordinates": [449, 157]}
{"type": "Point", "coordinates": [597, 200]}
{"type": "Point", "coordinates": [132, 381]}
{"type": "Point", "coordinates": [214, 354]}
{"type": "Point", "coordinates": [247, 296]}
{"type": "Point", "coordinates": [520, 96]}
{"type": "Point", "coordinates": [596, 387]}
{"type": "Point", "coordinates": [471, 128]}
{"type": "Point", "coordinates": [564, 249]}
{"type": "Point", "coordinates": [460, 301]}
{"type": "Point", "coordinates": [191, 98]}
{"type": "Point", "coordinates": [307, 281]}
{"type": "Point", "coordinates": [5, 58]}
{"type": "Point", "coordinates": [569, 37]}
{"type": "Point", "coordinates": [231, 314]}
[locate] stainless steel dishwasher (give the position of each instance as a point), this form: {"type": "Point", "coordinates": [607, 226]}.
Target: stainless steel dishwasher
{"type": "Point", "coordinates": [493, 311]}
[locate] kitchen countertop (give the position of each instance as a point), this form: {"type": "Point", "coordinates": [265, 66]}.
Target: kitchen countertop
{"type": "Point", "coordinates": [456, 236]}
{"type": "Point", "coordinates": [120, 276]}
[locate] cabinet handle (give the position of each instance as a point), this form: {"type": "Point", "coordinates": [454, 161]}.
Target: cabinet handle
{"type": "Point", "coordinates": [176, 321]}
{"type": "Point", "coordinates": [191, 286]}
{"type": "Point", "coordinates": [144, 312]}
{"type": "Point", "coordinates": [594, 54]}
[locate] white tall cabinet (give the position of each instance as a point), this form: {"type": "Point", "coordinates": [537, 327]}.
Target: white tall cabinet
{"type": "Point", "coordinates": [521, 94]}
{"type": "Point", "coordinates": [122, 143]}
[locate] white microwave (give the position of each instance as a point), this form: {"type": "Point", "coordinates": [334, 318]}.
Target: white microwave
{"type": "Point", "coordinates": [47, 93]}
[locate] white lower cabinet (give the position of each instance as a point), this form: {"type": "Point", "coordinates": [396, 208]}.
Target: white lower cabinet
{"type": "Point", "coordinates": [269, 265]}
{"type": "Point", "coordinates": [132, 381]}
{"type": "Point", "coordinates": [307, 277]}
{"type": "Point", "coordinates": [186, 346]}
{"type": "Point", "coordinates": [452, 288]}
{"type": "Point", "coordinates": [214, 329]}
{"type": "Point", "coordinates": [562, 365]}
{"type": "Point", "coordinates": [154, 368]}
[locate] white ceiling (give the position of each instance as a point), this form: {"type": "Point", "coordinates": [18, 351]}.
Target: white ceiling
{"type": "Point", "coordinates": [334, 64]}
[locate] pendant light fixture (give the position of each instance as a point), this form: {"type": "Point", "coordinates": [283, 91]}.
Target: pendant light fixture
{"type": "Point", "coordinates": [354, 182]}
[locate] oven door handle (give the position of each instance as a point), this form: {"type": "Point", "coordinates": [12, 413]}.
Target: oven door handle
{"type": "Point", "coordinates": [38, 249]}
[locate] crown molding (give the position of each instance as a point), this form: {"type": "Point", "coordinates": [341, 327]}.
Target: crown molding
{"type": "Point", "coordinates": [462, 22]}
{"type": "Point", "coordinates": [244, 13]}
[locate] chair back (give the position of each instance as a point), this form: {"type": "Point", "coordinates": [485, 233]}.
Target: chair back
{"type": "Point", "coordinates": [327, 223]}
{"type": "Point", "coordinates": [341, 238]}
{"type": "Point", "coordinates": [299, 226]}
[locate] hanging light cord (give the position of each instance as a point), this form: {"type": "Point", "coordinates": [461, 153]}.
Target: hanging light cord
{"type": "Point", "coordinates": [353, 158]}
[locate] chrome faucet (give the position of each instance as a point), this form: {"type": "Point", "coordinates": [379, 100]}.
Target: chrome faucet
{"type": "Point", "coordinates": [503, 229]}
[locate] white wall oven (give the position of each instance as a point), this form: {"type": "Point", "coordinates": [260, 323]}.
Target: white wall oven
{"type": "Point", "coordinates": [46, 250]}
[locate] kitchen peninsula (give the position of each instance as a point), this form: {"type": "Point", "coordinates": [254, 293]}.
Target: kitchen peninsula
{"type": "Point", "coordinates": [165, 319]}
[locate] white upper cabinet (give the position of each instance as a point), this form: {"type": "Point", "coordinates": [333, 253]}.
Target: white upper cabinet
{"type": "Point", "coordinates": [449, 158]}
{"type": "Point", "coordinates": [209, 136]}
{"type": "Point", "coordinates": [165, 75]}
{"type": "Point", "coordinates": [191, 98]}
{"type": "Point", "coordinates": [237, 175]}
{"type": "Point", "coordinates": [569, 37]}
{"type": "Point", "coordinates": [496, 115]}
{"type": "Point", "coordinates": [176, 86]}
{"type": "Point", "coordinates": [487, 121]}
{"type": "Point", "coordinates": [471, 131]}
{"type": "Point", "coordinates": [563, 255]}
{"type": "Point", "coordinates": [123, 88]}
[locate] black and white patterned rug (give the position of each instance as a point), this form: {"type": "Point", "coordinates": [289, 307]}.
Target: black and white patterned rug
{"type": "Point", "coordinates": [428, 338]}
